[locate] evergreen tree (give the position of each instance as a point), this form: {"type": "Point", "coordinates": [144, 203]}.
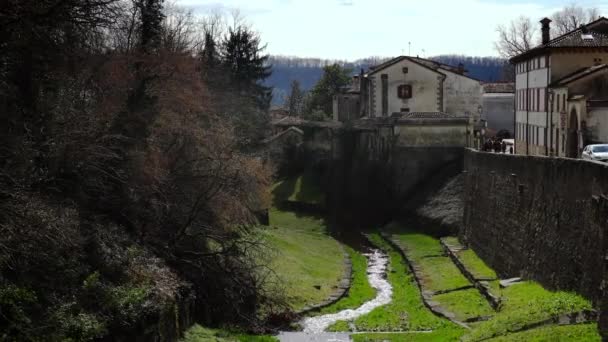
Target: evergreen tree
{"type": "Point", "coordinates": [334, 79]}
{"type": "Point", "coordinates": [242, 59]}
{"type": "Point", "coordinates": [152, 17]}
{"type": "Point", "coordinates": [295, 99]}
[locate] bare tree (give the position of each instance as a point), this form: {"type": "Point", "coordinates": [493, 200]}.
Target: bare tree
{"type": "Point", "coordinates": [181, 32]}
{"type": "Point", "coordinates": [572, 17]}
{"type": "Point", "coordinates": [516, 38]}
{"type": "Point", "coordinates": [522, 34]}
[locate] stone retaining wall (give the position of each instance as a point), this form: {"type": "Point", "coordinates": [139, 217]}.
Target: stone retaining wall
{"type": "Point", "coordinates": [539, 218]}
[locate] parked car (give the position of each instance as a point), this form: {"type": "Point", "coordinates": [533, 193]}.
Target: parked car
{"type": "Point", "coordinates": [596, 152]}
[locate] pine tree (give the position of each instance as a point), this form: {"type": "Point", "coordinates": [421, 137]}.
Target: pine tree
{"type": "Point", "coordinates": [152, 17]}
{"type": "Point", "coordinates": [211, 64]}
{"type": "Point", "coordinates": [334, 79]}
{"type": "Point", "coordinates": [242, 59]}
{"type": "Point", "coordinates": [295, 99]}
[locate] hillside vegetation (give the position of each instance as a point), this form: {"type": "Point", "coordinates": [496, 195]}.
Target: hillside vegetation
{"type": "Point", "coordinates": [124, 208]}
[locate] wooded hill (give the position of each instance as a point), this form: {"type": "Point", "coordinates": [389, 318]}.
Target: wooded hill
{"type": "Point", "coordinates": [308, 71]}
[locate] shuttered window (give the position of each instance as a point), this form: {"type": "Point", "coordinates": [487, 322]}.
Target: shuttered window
{"type": "Point", "coordinates": [404, 91]}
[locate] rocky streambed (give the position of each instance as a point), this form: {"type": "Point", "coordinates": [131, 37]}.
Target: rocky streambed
{"type": "Point", "coordinates": [314, 327]}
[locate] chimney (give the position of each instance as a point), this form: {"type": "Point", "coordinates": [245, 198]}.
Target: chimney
{"type": "Point", "coordinates": [546, 29]}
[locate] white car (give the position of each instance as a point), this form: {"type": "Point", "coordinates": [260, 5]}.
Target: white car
{"type": "Point", "coordinates": [596, 152]}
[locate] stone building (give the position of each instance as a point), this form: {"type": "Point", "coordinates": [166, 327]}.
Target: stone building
{"type": "Point", "coordinates": [410, 85]}
{"type": "Point", "coordinates": [561, 93]}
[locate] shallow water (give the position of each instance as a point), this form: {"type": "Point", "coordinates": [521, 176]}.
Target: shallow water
{"type": "Point", "coordinates": [376, 273]}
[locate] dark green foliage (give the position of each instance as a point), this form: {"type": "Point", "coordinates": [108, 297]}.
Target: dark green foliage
{"type": "Point", "coordinates": [121, 195]}
{"type": "Point", "coordinates": [151, 23]}
{"type": "Point", "coordinates": [295, 99]}
{"type": "Point", "coordinates": [242, 59]}
{"type": "Point", "coordinates": [334, 79]}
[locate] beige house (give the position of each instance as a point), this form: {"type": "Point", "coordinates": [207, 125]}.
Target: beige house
{"type": "Point", "coordinates": [410, 85]}
{"type": "Point", "coordinates": [561, 92]}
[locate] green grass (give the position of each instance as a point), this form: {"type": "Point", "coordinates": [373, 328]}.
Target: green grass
{"type": "Point", "coordinates": [576, 333]}
{"type": "Point", "coordinates": [475, 265]}
{"type": "Point", "coordinates": [200, 334]}
{"type": "Point", "coordinates": [305, 257]}
{"type": "Point", "coordinates": [465, 304]}
{"type": "Point", "coordinates": [445, 335]}
{"type": "Point", "coordinates": [440, 274]}
{"type": "Point", "coordinates": [304, 188]}
{"type": "Point", "coordinates": [406, 312]}
{"type": "Point", "coordinates": [495, 288]}
{"type": "Point", "coordinates": [522, 304]}
{"type": "Point", "coordinates": [360, 290]}
{"type": "Point", "coordinates": [525, 304]}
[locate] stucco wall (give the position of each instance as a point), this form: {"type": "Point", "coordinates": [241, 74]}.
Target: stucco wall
{"type": "Point", "coordinates": [425, 85]}
{"type": "Point", "coordinates": [539, 218]}
{"type": "Point", "coordinates": [563, 64]}
{"type": "Point", "coordinates": [431, 135]}
{"type": "Point", "coordinates": [597, 123]}
{"type": "Point", "coordinates": [462, 94]}
{"type": "Point", "coordinates": [498, 111]}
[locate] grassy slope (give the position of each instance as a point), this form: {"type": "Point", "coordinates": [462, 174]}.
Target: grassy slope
{"type": "Point", "coordinates": [304, 188]}
{"type": "Point", "coordinates": [200, 334]}
{"type": "Point", "coordinates": [522, 304]}
{"type": "Point", "coordinates": [305, 257]}
{"type": "Point", "coordinates": [406, 311]}
{"type": "Point", "coordinates": [360, 290]}
{"type": "Point", "coordinates": [435, 336]}
{"type": "Point", "coordinates": [475, 265]}
{"type": "Point", "coordinates": [584, 332]}
{"type": "Point", "coordinates": [439, 273]}
{"type": "Point", "coordinates": [465, 304]}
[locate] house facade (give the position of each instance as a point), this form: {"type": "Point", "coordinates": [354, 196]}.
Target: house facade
{"type": "Point", "coordinates": [560, 93]}
{"type": "Point", "coordinates": [410, 85]}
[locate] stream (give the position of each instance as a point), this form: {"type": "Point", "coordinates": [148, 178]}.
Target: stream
{"type": "Point", "coordinates": [314, 327]}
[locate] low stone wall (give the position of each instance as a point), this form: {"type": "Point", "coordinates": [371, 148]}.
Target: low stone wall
{"type": "Point", "coordinates": [539, 218]}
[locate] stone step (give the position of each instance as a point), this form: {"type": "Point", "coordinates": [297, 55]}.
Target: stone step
{"type": "Point", "coordinates": [509, 282]}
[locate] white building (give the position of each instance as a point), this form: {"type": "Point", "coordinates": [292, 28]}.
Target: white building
{"type": "Point", "coordinates": [410, 85]}
{"type": "Point", "coordinates": [561, 93]}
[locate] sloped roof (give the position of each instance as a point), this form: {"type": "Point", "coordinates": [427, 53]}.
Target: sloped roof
{"type": "Point", "coordinates": [494, 88]}
{"type": "Point", "coordinates": [426, 115]}
{"type": "Point", "coordinates": [377, 68]}
{"type": "Point", "coordinates": [597, 34]}
{"type": "Point", "coordinates": [581, 73]}
{"type": "Point", "coordinates": [575, 39]}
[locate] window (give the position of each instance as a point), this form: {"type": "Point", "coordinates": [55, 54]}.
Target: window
{"type": "Point", "coordinates": [384, 78]}
{"type": "Point", "coordinates": [404, 91]}
{"type": "Point", "coordinates": [405, 70]}
{"type": "Point", "coordinates": [405, 110]}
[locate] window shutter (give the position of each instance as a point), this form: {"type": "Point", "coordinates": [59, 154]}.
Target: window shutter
{"type": "Point", "coordinates": [404, 91]}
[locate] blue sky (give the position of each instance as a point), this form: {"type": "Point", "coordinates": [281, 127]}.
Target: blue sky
{"type": "Point", "coordinates": [351, 29]}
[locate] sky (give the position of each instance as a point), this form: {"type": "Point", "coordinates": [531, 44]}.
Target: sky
{"type": "Point", "coordinates": [353, 29]}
